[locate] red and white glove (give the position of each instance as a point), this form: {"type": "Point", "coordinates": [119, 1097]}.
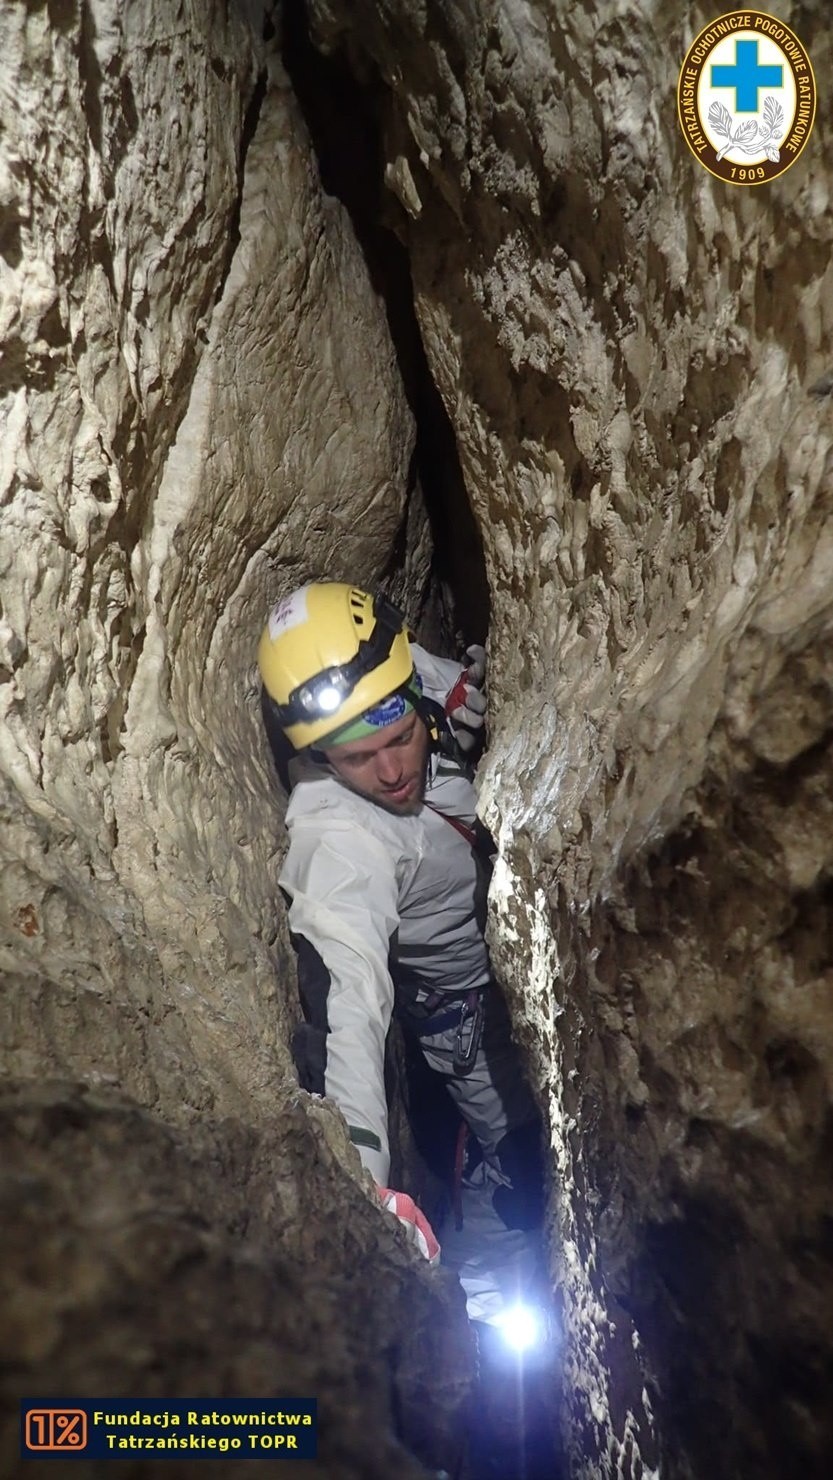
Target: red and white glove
{"type": "Point", "coordinates": [413, 1220]}
{"type": "Point", "coordinates": [465, 704]}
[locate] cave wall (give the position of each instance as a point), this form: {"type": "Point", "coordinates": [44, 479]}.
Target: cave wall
{"type": "Point", "coordinates": [636, 361]}
{"type": "Point", "coordinates": [200, 409]}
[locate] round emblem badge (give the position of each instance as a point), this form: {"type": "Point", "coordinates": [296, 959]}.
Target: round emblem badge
{"type": "Point", "coordinates": [746, 97]}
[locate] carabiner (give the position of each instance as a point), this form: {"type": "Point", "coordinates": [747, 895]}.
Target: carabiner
{"type": "Point", "coordinates": [469, 1033]}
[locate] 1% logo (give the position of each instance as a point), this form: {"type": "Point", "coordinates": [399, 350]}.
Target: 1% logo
{"type": "Point", "coordinates": [56, 1428]}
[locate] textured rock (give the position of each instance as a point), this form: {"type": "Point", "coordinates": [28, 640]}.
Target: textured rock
{"type": "Point", "coordinates": [636, 362]}
{"type": "Point", "coordinates": [200, 407]}
{"type": "Point", "coordinates": [144, 1262]}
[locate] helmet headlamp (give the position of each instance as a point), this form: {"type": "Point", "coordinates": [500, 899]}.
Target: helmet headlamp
{"type": "Point", "coordinates": [323, 694]}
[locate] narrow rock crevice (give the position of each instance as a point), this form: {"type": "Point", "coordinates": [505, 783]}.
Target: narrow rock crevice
{"type": "Point", "coordinates": [451, 301]}
{"type": "Point", "coordinates": [343, 116]}
{"type": "Point", "coordinates": [147, 996]}
{"type": "Point", "coordinates": [247, 134]}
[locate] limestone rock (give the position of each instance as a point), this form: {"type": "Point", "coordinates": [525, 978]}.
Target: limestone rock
{"type": "Point", "coordinates": [200, 408]}
{"type": "Point", "coordinates": [141, 1262]}
{"type": "Point", "coordinates": [635, 359]}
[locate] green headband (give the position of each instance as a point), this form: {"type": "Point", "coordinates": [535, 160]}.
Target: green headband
{"type": "Point", "coordinates": [391, 709]}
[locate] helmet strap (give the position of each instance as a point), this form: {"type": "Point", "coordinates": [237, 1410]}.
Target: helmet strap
{"type": "Point", "coordinates": [441, 736]}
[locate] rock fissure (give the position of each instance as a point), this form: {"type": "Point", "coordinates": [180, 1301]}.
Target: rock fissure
{"type": "Point", "coordinates": [431, 295]}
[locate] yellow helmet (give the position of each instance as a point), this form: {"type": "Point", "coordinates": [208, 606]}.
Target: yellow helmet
{"type": "Point", "coordinates": [328, 653]}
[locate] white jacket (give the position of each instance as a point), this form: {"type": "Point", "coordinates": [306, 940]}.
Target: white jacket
{"type": "Point", "coordinates": [365, 882]}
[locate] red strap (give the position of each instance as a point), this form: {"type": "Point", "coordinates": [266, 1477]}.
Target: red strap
{"type": "Point", "coordinates": [462, 827]}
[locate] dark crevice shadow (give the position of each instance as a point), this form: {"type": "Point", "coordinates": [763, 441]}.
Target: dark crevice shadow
{"type": "Point", "coordinates": [343, 118]}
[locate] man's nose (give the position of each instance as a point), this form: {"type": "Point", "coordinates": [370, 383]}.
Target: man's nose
{"type": "Point", "coordinates": [389, 767]}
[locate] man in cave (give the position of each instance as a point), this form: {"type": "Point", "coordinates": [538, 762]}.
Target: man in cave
{"type": "Point", "coordinates": [387, 874]}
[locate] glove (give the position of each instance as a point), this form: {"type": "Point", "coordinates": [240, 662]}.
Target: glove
{"type": "Point", "coordinates": [465, 704]}
{"type": "Point", "coordinates": [413, 1220]}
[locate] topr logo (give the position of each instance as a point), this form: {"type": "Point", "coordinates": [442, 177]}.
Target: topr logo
{"type": "Point", "coordinates": [746, 98]}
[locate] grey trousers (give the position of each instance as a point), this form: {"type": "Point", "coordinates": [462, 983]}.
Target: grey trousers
{"type": "Point", "coordinates": [497, 1253]}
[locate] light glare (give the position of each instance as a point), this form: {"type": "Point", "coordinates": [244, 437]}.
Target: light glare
{"type": "Point", "coordinates": [329, 700]}
{"type": "Point", "coordinates": [521, 1327]}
